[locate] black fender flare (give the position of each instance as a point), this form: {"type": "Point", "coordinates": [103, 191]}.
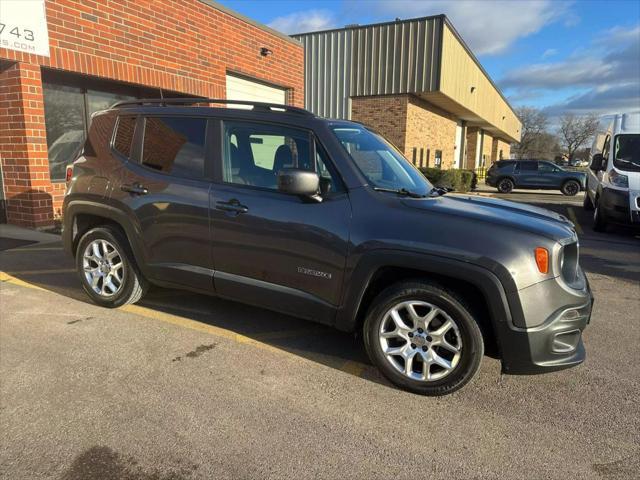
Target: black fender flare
{"type": "Point", "coordinates": [73, 208]}
{"type": "Point", "coordinates": [495, 284]}
{"type": "Point", "coordinates": [486, 280]}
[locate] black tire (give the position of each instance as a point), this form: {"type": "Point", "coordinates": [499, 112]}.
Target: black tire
{"type": "Point", "coordinates": [505, 185]}
{"type": "Point", "coordinates": [472, 346]}
{"type": "Point", "coordinates": [599, 220]}
{"type": "Point", "coordinates": [570, 188]}
{"type": "Point", "coordinates": [133, 285]}
{"type": "Point", "coordinates": [587, 204]}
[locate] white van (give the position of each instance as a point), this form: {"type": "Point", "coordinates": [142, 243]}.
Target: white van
{"type": "Point", "coordinates": [613, 181]}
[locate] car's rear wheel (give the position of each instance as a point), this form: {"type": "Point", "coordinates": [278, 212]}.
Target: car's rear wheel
{"type": "Point", "coordinates": [423, 338]}
{"type": "Point", "coordinates": [505, 185]}
{"type": "Point", "coordinates": [587, 204]}
{"type": "Point", "coordinates": [106, 268]}
{"type": "Point", "coordinates": [570, 188]}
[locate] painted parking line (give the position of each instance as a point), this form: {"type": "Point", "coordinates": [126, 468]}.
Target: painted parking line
{"type": "Point", "coordinates": [350, 367]}
{"type": "Point", "coordinates": [574, 219]}
{"type": "Point", "coordinates": [34, 249]}
{"type": "Point", "coordinates": [42, 272]}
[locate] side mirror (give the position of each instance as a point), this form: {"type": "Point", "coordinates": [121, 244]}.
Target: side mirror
{"type": "Point", "coordinates": [597, 162]}
{"type": "Point", "coordinates": [295, 181]}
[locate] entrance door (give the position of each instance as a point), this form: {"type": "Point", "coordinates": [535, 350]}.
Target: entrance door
{"type": "Point", "coordinates": [281, 251]}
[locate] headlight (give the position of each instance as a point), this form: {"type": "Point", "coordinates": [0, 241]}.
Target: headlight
{"type": "Point", "coordinates": [618, 180]}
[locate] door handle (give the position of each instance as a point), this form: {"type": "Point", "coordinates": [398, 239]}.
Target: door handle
{"type": "Point", "coordinates": [232, 206]}
{"type": "Point", "coordinates": [135, 189]}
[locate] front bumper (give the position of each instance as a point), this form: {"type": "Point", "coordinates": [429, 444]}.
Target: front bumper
{"type": "Point", "coordinates": [620, 206]}
{"type": "Point", "coordinates": [556, 343]}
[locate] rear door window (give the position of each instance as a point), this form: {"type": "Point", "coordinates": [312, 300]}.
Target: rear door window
{"type": "Point", "coordinates": [544, 167]}
{"type": "Point", "coordinates": [175, 146]}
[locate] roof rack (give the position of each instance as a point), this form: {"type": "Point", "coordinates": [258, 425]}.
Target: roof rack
{"type": "Point", "coordinates": [267, 107]}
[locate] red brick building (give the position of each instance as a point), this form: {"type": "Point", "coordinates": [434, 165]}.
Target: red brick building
{"type": "Point", "coordinates": [102, 51]}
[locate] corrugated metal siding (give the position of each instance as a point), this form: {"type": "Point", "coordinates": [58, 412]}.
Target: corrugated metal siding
{"type": "Point", "coordinates": [387, 59]}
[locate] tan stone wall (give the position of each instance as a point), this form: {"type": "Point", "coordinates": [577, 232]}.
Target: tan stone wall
{"type": "Point", "coordinates": [430, 128]}
{"type": "Point", "coordinates": [385, 114]}
{"type": "Point", "coordinates": [472, 145]}
{"type": "Point", "coordinates": [409, 123]}
{"type": "Point", "coordinates": [505, 147]}
{"type": "Point", "coordinates": [486, 150]}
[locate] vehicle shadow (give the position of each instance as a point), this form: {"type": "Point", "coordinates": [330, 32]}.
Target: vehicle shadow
{"type": "Point", "coordinates": [46, 266]}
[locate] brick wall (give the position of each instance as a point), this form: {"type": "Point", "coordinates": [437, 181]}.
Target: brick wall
{"type": "Point", "coordinates": [385, 114]}
{"type": "Point", "coordinates": [23, 146]}
{"type": "Point", "coordinates": [409, 122]}
{"type": "Point", "coordinates": [431, 129]}
{"type": "Point", "coordinates": [179, 45]}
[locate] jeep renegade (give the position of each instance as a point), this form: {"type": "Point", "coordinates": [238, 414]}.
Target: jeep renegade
{"type": "Point", "coordinates": [323, 220]}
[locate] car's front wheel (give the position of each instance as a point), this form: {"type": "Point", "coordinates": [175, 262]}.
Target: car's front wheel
{"type": "Point", "coordinates": [599, 220]}
{"type": "Point", "coordinates": [587, 204]}
{"type": "Point", "coordinates": [570, 188]}
{"type": "Point", "coordinates": [423, 338]}
{"type": "Point", "coordinates": [106, 268]}
{"type": "Point", "coordinates": [505, 185]}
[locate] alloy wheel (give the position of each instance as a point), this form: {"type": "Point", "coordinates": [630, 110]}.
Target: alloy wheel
{"type": "Point", "coordinates": [420, 340]}
{"type": "Point", "coordinates": [571, 188]}
{"type": "Point", "coordinates": [103, 268]}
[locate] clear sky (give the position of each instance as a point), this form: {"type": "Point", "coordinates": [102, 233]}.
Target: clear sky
{"type": "Point", "coordinates": [563, 56]}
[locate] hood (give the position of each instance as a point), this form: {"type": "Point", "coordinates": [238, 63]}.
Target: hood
{"type": "Point", "coordinates": [517, 215]}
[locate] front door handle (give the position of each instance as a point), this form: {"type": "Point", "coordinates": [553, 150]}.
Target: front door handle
{"type": "Point", "coordinates": [232, 206]}
{"type": "Point", "coordinates": [135, 189]}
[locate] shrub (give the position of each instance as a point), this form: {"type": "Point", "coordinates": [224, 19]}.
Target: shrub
{"type": "Point", "coordinates": [457, 179]}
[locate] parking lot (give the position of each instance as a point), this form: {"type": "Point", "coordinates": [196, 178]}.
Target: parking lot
{"type": "Point", "coordinates": [183, 386]}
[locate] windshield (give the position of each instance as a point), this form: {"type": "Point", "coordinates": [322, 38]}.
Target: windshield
{"type": "Point", "coordinates": [626, 153]}
{"type": "Point", "coordinates": [380, 162]}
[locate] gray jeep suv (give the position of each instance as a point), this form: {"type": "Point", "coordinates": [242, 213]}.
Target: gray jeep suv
{"type": "Point", "coordinates": [323, 220]}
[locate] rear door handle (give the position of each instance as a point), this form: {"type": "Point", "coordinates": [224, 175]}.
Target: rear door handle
{"type": "Point", "coordinates": [232, 206]}
{"type": "Point", "coordinates": [135, 189]}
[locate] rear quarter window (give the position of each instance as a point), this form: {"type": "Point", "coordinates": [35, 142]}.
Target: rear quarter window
{"type": "Point", "coordinates": [505, 165]}
{"type": "Point", "coordinates": [97, 143]}
{"type": "Point", "coordinates": [124, 135]}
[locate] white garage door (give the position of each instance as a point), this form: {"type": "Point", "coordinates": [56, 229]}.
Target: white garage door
{"type": "Point", "coordinates": [243, 89]}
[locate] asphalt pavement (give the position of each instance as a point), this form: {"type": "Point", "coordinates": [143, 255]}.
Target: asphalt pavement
{"type": "Point", "coordinates": [183, 386]}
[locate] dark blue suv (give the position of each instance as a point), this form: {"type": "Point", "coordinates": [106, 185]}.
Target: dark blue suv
{"type": "Point", "coordinates": [506, 175]}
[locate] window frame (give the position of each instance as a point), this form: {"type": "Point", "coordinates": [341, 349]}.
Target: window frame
{"type": "Point", "coordinates": [218, 174]}
{"type": "Point", "coordinates": [137, 153]}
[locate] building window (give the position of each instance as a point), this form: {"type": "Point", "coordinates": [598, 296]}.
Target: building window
{"type": "Point", "coordinates": [69, 102]}
{"type": "Point", "coordinates": [421, 156]}
{"type": "Point", "coordinates": [65, 124]}
{"type": "Point", "coordinates": [428, 156]}
{"type": "Point", "coordinates": [415, 155]}
{"type": "Point", "coordinates": [438, 159]}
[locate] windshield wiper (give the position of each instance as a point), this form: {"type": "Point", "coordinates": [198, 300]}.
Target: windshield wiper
{"type": "Point", "coordinates": [400, 191]}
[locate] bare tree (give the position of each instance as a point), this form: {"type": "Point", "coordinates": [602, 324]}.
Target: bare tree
{"type": "Point", "coordinates": [534, 127]}
{"type": "Point", "coordinates": [575, 131]}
